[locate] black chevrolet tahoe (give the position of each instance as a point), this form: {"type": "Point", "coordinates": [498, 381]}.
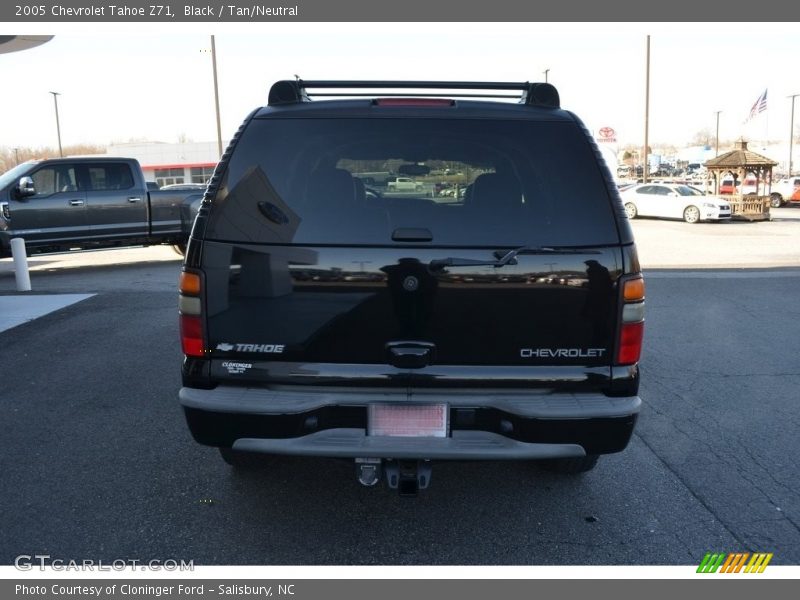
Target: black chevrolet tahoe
{"type": "Point", "coordinates": [493, 309]}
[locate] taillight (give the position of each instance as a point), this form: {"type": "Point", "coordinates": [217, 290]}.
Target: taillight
{"type": "Point", "coordinates": [190, 308]}
{"type": "Point", "coordinates": [629, 346]}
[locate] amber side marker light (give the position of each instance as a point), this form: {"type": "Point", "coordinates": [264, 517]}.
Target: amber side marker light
{"type": "Point", "coordinates": [189, 284]}
{"type": "Point", "coordinates": [629, 348]}
{"type": "Point", "coordinates": [633, 290]}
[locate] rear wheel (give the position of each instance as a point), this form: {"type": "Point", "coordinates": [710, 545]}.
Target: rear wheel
{"type": "Point", "coordinates": [571, 466]}
{"type": "Point", "coordinates": [180, 248]}
{"type": "Point", "coordinates": [691, 214]}
{"type": "Point", "coordinates": [776, 200]}
{"type": "Point", "coordinates": [630, 210]}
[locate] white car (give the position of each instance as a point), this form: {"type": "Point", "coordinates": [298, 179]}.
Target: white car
{"type": "Point", "coordinates": [674, 201]}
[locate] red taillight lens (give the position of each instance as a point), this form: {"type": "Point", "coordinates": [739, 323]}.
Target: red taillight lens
{"type": "Point", "coordinates": [630, 343]}
{"type": "Point", "coordinates": [192, 335]}
{"type": "Point", "coordinates": [629, 348]}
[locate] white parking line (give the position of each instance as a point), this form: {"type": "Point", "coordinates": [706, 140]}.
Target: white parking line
{"type": "Point", "coordinates": [19, 309]}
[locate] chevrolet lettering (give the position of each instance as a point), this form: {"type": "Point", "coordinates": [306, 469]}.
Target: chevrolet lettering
{"type": "Point", "coordinates": [561, 352]}
{"type": "Point", "coordinates": [450, 277]}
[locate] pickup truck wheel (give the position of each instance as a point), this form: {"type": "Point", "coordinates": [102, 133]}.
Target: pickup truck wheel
{"type": "Point", "coordinates": [240, 460]}
{"type": "Point", "coordinates": [180, 248]}
{"type": "Point", "coordinates": [571, 466]}
{"type": "Point", "coordinates": [775, 200]}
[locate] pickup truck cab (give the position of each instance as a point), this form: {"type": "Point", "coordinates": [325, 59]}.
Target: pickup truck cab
{"type": "Point", "coordinates": [92, 202]}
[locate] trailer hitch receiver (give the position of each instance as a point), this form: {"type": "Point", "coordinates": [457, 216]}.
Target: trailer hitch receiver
{"type": "Point", "coordinates": [408, 476]}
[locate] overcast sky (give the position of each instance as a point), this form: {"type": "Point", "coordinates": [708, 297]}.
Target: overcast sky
{"type": "Point", "coordinates": [154, 82]}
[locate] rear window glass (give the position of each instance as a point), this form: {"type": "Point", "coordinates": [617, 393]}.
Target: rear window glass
{"type": "Point", "coordinates": [366, 181]}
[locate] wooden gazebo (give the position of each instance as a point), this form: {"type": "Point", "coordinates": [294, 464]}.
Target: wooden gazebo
{"type": "Point", "coordinates": [740, 162]}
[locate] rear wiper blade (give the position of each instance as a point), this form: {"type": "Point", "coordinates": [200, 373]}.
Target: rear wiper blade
{"type": "Point", "coordinates": [502, 258]}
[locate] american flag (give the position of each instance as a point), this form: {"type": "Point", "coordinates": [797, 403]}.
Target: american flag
{"type": "Point", "coordinates": [759, 106]}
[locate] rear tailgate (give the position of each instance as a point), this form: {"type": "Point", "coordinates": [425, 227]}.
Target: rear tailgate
{"type": "Point", "coordinates": [293, 323]}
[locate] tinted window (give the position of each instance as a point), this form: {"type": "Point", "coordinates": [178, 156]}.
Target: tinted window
{"type": "Point", "coordinates": [114, 176]}
{"type": "Point", "coordinates": [685, 190]}
{"type": "Point", "coordinates": [58, 178]}
{"type": "Point", "coordinates": [359, 181]}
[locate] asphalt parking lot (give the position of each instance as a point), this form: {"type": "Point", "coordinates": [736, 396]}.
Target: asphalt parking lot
{"type": "Point", "coordinates": [732, 244]}
{"type": "Point", "coordinates": [98, 463]}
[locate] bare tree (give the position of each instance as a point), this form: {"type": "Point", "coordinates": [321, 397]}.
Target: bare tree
{"type": "Point", "coordinates": [704, 137]}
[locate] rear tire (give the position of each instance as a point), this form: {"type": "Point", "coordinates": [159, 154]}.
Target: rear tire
{"type": "Point", "coordinates": [240, 460]}
{"type": "Point", "coordinates": [571, 466]}
{"type": "Point", "coordinates": [180, 248]}
{"type": "Point", "coordinates": [691, 214]}
{"type": "Point", "coordinates": [630, 210]}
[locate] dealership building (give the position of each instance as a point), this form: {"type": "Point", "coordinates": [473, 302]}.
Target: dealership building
{"type": "Point", "coordinates": [166, 164]}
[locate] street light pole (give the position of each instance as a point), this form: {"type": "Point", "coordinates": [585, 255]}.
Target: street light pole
{"type": "Point", "coordinates": [58, 125]}
{"type": "Point", "coordinates": [716, 139]}
{"type": "Point", "coordinates": [216, 94]}
{"type": "Point", "coordinates": [791, 134]}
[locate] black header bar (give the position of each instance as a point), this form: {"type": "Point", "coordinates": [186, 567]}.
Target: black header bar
{"type": "Point", "coordinates": [260, 11]}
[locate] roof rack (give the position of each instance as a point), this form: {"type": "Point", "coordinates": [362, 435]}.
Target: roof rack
{"type": "Point", "coordinates": [533, 94]}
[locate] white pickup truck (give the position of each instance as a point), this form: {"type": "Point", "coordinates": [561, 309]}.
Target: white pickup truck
{"type": "Point", "coordinates": [782, 191]}
{"type": "Point", "coordinates": [404, 184]}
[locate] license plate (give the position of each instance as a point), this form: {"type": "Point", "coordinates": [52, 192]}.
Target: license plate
{"type": "Point", "coordinates": [407, 420]}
